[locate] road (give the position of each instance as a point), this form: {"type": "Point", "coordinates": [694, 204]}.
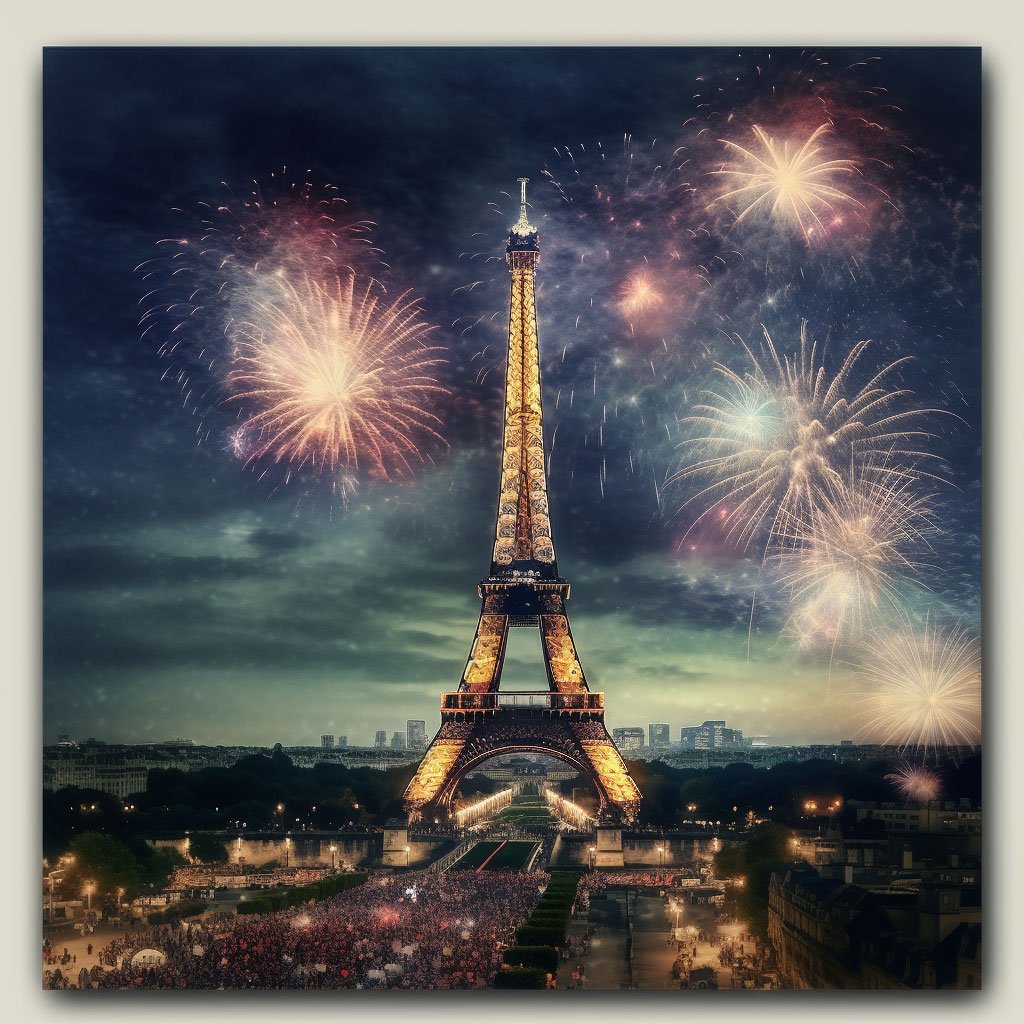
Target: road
{"type": "Point", "coordinates": [605, 965]}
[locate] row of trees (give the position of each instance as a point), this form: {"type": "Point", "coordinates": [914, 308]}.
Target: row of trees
{"type": "Point", "coordinates": [785, 788]}
{"type": "Point", "coordinates": [332, 796]}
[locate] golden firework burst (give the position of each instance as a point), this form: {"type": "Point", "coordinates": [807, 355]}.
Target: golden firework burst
{"type": "Point", "coordinates": [334, 378]}
{"type": "Point", "coordinates": [791, 182]}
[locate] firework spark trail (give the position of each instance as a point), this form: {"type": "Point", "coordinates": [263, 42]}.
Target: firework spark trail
{"type": "Point", "coordinates": [797, 186]}
{"type": "Point", "coordinates": [331, 378]}
{"type": "Point", "coordinates": [920, 688]}
{"type": "Point", "coordinates": [916, 782]}
{"type": "Point", "coordinates": [783, 438]}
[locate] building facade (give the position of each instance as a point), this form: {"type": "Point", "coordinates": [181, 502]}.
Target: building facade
{"type": "Point", "coordinates": [629, 738]}
{"type": "Point", "coordinates": [416, 735]}
{"type": "Point", "coordinates": [712, 735]}
{"type": "Point", "coordinates": [118, 774]}
{"type": "Point", "coordinates": [658, 735]}
{"type": "Point", "coordinates": [380, 741]}
{"type": "Point", "coordinates": [327, 741]}
{"type": "Point", "coordinates": [830, 934]}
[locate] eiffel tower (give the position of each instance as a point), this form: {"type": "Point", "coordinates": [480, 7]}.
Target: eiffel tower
{"type": "Point", "coordinates": [523, 589]}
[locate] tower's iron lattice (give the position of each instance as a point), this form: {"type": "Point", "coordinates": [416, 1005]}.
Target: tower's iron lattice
{"type": "Point", "coordinates": [523, 589]}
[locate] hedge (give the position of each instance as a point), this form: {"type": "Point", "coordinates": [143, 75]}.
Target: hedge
{"type": "Point", "coordinates": [548, 921]}
{"type": "Point", "coordinates": [521, 977]}
{"type": "Point", "coordinates": [544, 957]}
{"type": "Point", "coordinates": [542, 935]}
{"type": "Point", "coordinates": [322, 890]}
{"type": "Point", "coordinates": [557, 903]}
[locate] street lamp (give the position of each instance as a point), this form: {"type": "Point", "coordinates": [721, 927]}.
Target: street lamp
{"type": "Point", "coordinates": [287, 847]}
{"type": "Point", "coordinates": [661, 855]}
{"type": "Point", "coordinates": [90, 888]}
{"type": "Point", "coordinates": [334, 857]}
{"type": "Point", "coordinates": [593, 850]}
{"type": "Point", "coordinates": [407, 851]}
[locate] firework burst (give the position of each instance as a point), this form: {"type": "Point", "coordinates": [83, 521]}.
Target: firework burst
{"type": "Point", "coordinates": [784, 438]}
{"type": "Point", "coordinates": [921, 688]}
{"type": "Point", "coordinates": [916, 782]}
{"type": "Point", "coordinates": [219, 268]}
{"type": "Point", "coordinates": [843, 561]}
{"type": "Point", "coordinates": [639, 295]}
{"type": "Point", "coordinates": [334, 380]}
{"type": "Point", "coordinates": [794, 183]}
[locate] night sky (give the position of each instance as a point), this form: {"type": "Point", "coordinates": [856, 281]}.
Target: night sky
{"type": "Point", "coordinates": [187, 596]}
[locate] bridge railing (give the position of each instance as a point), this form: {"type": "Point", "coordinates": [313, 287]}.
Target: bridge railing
{"type": "Point", "coordinates": [450, 858]}
{"type": "Point", "coordinates": [542, 699]}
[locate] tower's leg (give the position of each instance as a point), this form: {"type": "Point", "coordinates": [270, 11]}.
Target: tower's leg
{"type": "Point", "coordinates": [486, 656]}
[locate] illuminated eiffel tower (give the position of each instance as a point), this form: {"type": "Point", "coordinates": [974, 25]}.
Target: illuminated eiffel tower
{"type": "Point", "coordinates": [524, 588]}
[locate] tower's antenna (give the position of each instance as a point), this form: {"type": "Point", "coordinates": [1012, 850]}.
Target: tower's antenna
{"type": "Point", "coordinates": [523, 225]}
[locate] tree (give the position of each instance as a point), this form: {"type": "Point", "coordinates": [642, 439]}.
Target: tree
{"type": "Point", "coordinates": [207, 848]}
{"type": "Point", "coordinates": [765, 851]}
{"type": "Point", "coordinates": [105, 862]}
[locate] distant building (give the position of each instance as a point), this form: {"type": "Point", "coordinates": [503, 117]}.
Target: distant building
{"type": "Point", "coordinates": [658, 735]}
{"type": "Point", "coordinates": [846, 743]}
{"type": "Point", "coordinates": [381, 739]}
{"type": "Point", "coordinates": [712, 735]}
{"type": "Point", "coordinates": [342, 741]}
{"type": "Point", "coordinates": [327, 741]}
{"type": "Point", "coordinates": [398, 741]}
{"type": "Point", "coordinates": [932, 817]}
{"type": "Point", "coordinates": [117, 773]}
{"type": "Point", "coordinates": [629, 738]}
{"type": "Point", "coordinates": [416, 735]}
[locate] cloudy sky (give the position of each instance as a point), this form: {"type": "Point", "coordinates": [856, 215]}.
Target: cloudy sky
{"type": "Point", "coordinates": [187, 596]}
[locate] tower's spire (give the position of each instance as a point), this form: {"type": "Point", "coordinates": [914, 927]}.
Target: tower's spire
{"type": "Point", "coordinates": [523, 225]}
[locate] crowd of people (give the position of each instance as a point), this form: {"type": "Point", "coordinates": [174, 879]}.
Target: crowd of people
{"type": "Point", "coordinates": [744, 955]}
{"type": "Point", "coordinates": [596, 882]}
{"type": "Point", "coordinates": [422, 930]}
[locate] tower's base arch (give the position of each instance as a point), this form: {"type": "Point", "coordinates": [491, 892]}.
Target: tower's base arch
{"type": "Point", "coordinates": [462, 745]}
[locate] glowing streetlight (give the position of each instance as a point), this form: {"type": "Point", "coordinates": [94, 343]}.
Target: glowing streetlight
{"type": "Point", "coordinates": [287, 849]}
{"type": "Point", "coordinates": [593, 850]}
{"type": "Point", "coordinates": [334, 857]}
{"type": "Point", "coordinates": [90, 888]}
{"type": "Point", "coordinates": [661, 855]}
{"type": "Point", "coordinates": [408, 849]}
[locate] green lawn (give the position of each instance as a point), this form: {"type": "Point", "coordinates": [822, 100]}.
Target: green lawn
{"type": "Point", "coordinates": [511, 857]}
